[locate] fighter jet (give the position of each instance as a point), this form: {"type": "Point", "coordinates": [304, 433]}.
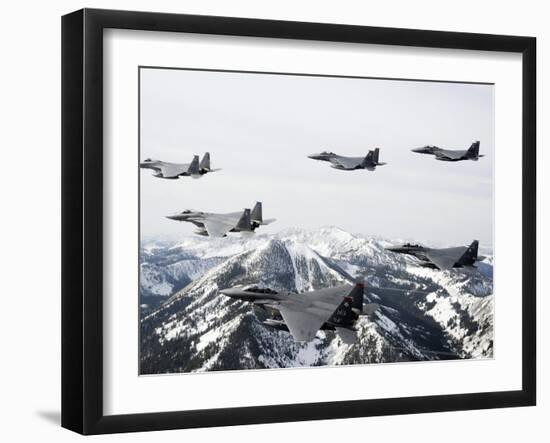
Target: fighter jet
{"type": "Point", "coordinates": [334, 309]}
{"type": "Point", "coordinates": [370, 161]}
{"type": "Point", "coordinates": [441, 259]}
{"type": "Point", "coordinates": [448, 155]}
{"type": "Point", "coordinates": [177, 170]}
{"type": "Point", "coordinates": [218, 225]}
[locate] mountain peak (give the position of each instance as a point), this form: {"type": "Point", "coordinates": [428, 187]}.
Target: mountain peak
{"type": "Point", "coordinates": [308, 232]}
{"type": "Point", "coordinates": [424, 314]}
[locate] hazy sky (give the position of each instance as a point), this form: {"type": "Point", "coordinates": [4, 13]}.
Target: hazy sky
{"type": "Point", "coordinates": [259, 128]}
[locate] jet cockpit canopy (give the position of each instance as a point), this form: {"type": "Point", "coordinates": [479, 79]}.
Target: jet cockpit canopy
{"type": "Point", "coordinates": [260, 290]}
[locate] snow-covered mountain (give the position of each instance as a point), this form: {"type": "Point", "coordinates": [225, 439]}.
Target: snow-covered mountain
{"type": "Point", "coordinates": [425, 314]}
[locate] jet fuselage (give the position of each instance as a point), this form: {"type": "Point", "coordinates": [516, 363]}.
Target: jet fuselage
{"type": "Point", "coordinates": [159, 166]}
{"type": "Point", "coordinates": [343, 163]}
{"type": "Point", "coordinates": [254, 294]}
{"type": "Point", "coordinates": [335, 309]}
{"type": "Point", "coordinates": [450, 155]}
{"type": "Point", "coordinates": [444, 258]}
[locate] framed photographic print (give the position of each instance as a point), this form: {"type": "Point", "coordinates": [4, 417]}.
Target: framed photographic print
{"type": "Point", "coordinates": [261, 218]}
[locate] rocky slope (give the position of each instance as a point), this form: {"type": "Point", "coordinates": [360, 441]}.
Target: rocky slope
{"type": "Point", "coordinates": [425, 314]}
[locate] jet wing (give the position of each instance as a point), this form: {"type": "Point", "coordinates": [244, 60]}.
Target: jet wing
{"type": "Point", "coordinates": [302, 325]}
{"type": "Point", "coordinates": [172, 170]}
{"type": "Point", "coordinates": [218, 225]}
{"type": "Point", "coordinates": [304, 314]}
{"type": "Point", "coordinates": [445, 258]}
{"type": "Point", "coordinates": [451, 155]}
{"type": "Point", "coordinates": [346, 162]}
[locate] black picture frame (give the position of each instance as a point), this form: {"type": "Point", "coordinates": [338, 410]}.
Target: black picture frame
{"type": "Point", "coordinates": [82, 218]}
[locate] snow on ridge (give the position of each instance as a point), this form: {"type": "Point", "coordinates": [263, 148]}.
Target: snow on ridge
{"type": "Point", "coordinates": [303, 258]}
{"type": "Point", "coordinates": [207, 247]}
{"type": "Point", "coordinates": [320, 236]}
{"type": "Point", "coordinates": [194, 318]}
{"type": "Point", "coordinates": [153, 282]}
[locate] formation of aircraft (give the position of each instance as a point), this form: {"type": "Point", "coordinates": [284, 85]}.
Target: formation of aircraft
{"type": "Point", "coordinates": [442, 259]}
{"type": "Point", "coordinates": [218, 225]}
{"type": "Point", "coordinates": [334, 309]}
{"type": "Point", "coordinates": [449, 155]}
{"type": "Point", "coordinates": [369, 162]}
{"type": "Point", "coordinates": [195, 169]}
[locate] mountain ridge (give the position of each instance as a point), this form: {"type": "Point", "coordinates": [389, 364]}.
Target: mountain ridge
{"type": "Point", "coordinates": [197, 329]}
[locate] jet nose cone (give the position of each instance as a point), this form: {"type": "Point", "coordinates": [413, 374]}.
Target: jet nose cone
{"type": "Point", "coordinates": [316, 156]}
{"type": "Point", "coordinates": [230, 292]}
{"type": "Point", "coordinates": [173, 217]}
{"type": "Point", "coordinates": [417, 150]}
